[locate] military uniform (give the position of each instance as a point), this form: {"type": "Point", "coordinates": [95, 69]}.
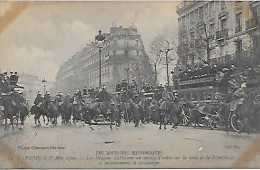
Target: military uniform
{"type": "Point", "coordinates": [239, 97]}
{"type": "Point", "coordinates": [162, 110]}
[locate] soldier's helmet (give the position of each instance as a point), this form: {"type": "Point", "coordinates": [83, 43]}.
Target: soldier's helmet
{"type": "Point", "coordinates": [60, 94]}
{"type": "Point", "coordinates": [47, 92]}
{"type": "Point", "coordinates": [39, 93]}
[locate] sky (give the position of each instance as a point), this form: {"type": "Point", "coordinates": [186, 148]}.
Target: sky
{"type": "Point", "coordinates": [37, 37]}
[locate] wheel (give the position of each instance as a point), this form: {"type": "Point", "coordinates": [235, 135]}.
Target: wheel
{"type": "Point", "coordinates": [236, 123]}
{"type": "Point", "coordinates": [215, 122]}
{"type": "Point", "coordinates": [185, 119]}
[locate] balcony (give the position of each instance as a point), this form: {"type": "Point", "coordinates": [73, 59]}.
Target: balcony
{"type": "Point", "coordinates": [183, 5]}
{"type": "Point", "coordinates": [222, 34]}
{"type": "Point", "coordinates": [252, 23]}
{"type": "Point", "coordinates": [238, 28]}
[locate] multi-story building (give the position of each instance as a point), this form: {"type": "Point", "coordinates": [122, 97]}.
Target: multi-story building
{"type": "Point", "coordinates": [218, 32]}
{"type": "Point", "coordinates": [122, 56]}
{"type": "Point", "coordinates": [231, 27]}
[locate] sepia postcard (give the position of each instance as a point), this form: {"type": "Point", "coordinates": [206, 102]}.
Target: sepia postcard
{"type": "Point", "coordinates": [129, 84]}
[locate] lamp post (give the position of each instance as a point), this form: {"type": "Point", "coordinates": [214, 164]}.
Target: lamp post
{"type": "Point", "coordinates": [44, 85]}
{"type": "Point", "coordinates": [99, 39]}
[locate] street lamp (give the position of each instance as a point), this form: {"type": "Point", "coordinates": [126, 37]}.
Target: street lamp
{"type": "Point", "coordinates": [44, 85]}
{"type": "Point", "coordinates": [99, 39]}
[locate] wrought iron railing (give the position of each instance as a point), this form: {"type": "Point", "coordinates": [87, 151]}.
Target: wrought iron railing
{"type": "Point", "coordinates": [252, 23]}
{"type": "Point", "coordinates": [222, 34]}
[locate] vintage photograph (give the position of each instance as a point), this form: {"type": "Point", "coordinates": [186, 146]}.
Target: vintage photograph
{"type": "Point", "coordinates": [129, 84]}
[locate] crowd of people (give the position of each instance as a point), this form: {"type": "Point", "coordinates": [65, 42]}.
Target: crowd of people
{"type": "Point", "coordinates": [140, 104]}
{"type": "Point", "coordinates": [207, 70]}
{"type": "Point", "coordinates": [8, 82]}
{"type": "Point", "coordinates": [222, 75]}
{"type": "Point", "coordinates": [130, 103]}
{"type": "Point", "coordinates": [15, 105]}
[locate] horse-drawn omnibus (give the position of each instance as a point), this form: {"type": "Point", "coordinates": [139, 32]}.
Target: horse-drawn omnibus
{"type": "Point", "coordinates": [203, 92]}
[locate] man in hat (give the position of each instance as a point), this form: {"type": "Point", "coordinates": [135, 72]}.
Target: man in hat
{"type": "Point", "coordinates": [124, 84]}
{"type": "Point", "coordinates": [113, 114]}
{"type": "Point", "coordinates": [239, 97]}
{"type": "Point", "coordinates": [162, 112]}
{"type": "Point", "coordinates": [59, 99]}
{"type": "Point", "coordinates": [85, 91]}
{"type": "Point", "coordinates": [12, 79]}
{"type": "Point", "coordinates": [134, 85]}
{"type": "Point", "coordinates": [38, 100]}
{"type": "Point", "coordinates": [47, 100]}
{"type": "Point", "coordinates": [214, 70]}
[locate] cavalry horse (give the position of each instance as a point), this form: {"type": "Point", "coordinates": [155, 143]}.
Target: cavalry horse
{"type": "Point", "coordinates": [175, 110]}
{"type": "Point", "coordinates": [38, 111]}
{"type": "Point", "coordinates": [244, 113]}
{"type": "Point", "coordinates": [10, 110]}
{"type": "Point", "coordinates": [91, 112]}
{"type": "Point", "coordinates": [134, 109]}
{"type": "Point", "coordinates": [66, 112]}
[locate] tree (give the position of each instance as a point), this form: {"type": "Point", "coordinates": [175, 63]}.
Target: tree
{"type": "Point", "coordinates": [164, 44]}
{"type": "Point", "coordinates": [204, 39]}
{"type": "Point", "coordinates": [155, 59]}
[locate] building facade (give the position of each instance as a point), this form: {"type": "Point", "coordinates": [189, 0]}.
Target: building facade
{"type": "Point", "coordinates": [231, 28]}
{"type": "Point", "coordinates": [216, 32]}
{"type": "Point", "coordinates": [122, 57]}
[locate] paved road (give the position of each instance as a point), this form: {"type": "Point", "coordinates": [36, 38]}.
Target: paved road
{"type": "Point", "coordinates": [73, 146]}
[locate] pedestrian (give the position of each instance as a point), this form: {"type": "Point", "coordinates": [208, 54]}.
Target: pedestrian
{"type": "Point", "coordinates": [162, 111]}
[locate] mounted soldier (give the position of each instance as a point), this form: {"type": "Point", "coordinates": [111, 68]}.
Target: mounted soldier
{"type": "Point", "coordinates": [37, 108]}
{"type": "Point", "coordinates": [47, 100]}
{"type": "Point", "coordinates": [38, 100]}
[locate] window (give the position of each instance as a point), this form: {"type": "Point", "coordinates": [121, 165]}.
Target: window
{"type": "Point", "coordinates": [223, 23]}
{"type": "Point", "coordinates": [254, 13]}
{"type": "Point", "coordinates": [211, 28]}
{"type": "Point", "coordinates": [211, 7]}
{"type": "Point", "coordinates": [239, 48]}
{"type": "Point", "coordinates": [238, 22]}
{"type": "Point", "coordinates": [192, 17]}
{"type": "Point", "coordinates": [183, 21]}
{"type": "Point", "coordinates": [222, 4]}
{"type": "Point", "coordinates": [201, 13]}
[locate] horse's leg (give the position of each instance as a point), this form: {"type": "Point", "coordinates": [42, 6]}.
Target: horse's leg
{"type": "Point", "coordinates": [17, 119]}
{"type": "Point", "coordinates": [111, 121]}
{"type": "Point", "coordinates": [35, 119]}
{"type": "Point", "coordinates": [48, 119]}
{"type": "Point", "coordinates": [12, 122]}
{"type": "Point", "coordinates": [38, 118]}
{"type": "Point", "coordinates": [6, 123]}
{"type": "Point", "coordinates": [43, 116]}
